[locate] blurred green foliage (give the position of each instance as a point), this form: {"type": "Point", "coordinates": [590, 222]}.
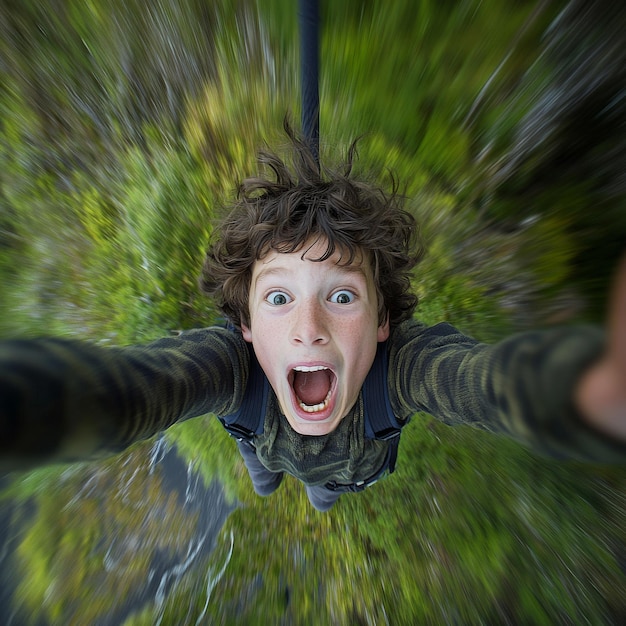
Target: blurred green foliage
{"type": "Point", "coordinates": [124, 130]}
{"type": "Point", "coordinates": [471, 528]}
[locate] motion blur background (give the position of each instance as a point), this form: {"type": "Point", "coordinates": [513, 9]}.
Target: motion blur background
{"type": "Point", "coordinates": [124, 129]}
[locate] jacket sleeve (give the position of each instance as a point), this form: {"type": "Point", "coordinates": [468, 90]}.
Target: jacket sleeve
{"type": "Point", "coordinates": [522, 387]}
{"type": "Point", "coordinates": [64, 400]}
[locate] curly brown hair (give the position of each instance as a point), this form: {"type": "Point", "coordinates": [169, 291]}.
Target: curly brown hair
{"type": "Point", "coordinates": [353, 217]}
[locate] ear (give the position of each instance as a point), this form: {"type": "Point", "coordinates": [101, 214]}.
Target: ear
{"type": "Point", "coordinates": [246, 332]}
{"type": "Point", "coordinates": [383, 330]}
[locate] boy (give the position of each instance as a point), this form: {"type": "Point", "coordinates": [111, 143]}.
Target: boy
{"type": "Point", "coordinates": [315, 277]}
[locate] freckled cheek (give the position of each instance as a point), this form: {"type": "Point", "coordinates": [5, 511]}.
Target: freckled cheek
{"type": "Point", "coordinates": [267, 329]}
{"type": "Point", "coordinates": [358, 329]}
{"type": "Point", "coordinates": [359, 348]}
{"type": "Point", "coordinates": [272, 341]}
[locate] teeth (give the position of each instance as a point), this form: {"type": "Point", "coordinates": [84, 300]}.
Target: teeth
{"type": "Point", "coordinates": [316, 408]}
{"type": "Point", "coordinates": [312, 368]}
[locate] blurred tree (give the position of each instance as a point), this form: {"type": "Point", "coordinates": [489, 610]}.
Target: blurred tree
{"type": "Point", "coordinates": [554, 146]}
{"type": "Point", "coordinates": [96, 74]}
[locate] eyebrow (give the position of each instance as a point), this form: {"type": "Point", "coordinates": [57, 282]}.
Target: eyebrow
{"type": "Point", "coordinates": [279, 269]}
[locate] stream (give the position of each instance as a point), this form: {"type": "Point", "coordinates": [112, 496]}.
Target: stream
{"type": "Point", "coordinates": [172, 559]}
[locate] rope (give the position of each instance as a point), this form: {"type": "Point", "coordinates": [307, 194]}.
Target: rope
{"type": "Point", "coordinates": [309, 72]}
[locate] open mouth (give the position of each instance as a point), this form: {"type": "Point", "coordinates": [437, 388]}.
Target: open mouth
{"type": "Point", "coordinates": [313, 387]}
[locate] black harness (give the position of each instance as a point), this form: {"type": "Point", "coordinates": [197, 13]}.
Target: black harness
{"type": "Point", "coordinates": [380, 421]}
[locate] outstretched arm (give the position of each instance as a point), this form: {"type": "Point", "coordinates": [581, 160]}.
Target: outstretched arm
{"type": "Point", "coordinates": [65, 400]}
{"type": "Point", "coordinates": [601, 392]}
{"type": "Point", "coordinates": [561, 391]}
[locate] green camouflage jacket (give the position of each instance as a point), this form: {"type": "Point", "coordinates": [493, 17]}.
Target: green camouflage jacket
{"type": "Point", "coordinates": [64, 400]}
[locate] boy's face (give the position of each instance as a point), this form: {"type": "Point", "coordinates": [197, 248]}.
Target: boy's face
{"type": "Point", "coordinates": [314, 328]}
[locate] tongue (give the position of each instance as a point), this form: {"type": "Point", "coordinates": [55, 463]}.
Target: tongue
{"type": "Point", "coordinates": [311, 387]}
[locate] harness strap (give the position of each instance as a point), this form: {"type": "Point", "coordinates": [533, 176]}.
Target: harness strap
{"type": "Point", "coordinates": [249, 419]}
{"type": "Point", "coordinates": [380, 421]}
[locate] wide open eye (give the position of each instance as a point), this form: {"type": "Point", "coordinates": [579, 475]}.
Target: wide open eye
{"type": "Point", "coordinates": [278, 298]}
{"type": "Point", "coordinates": [342, 297]}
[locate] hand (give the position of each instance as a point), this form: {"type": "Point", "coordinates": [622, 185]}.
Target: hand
{"type": "Point", "coordinates": [601, 392]}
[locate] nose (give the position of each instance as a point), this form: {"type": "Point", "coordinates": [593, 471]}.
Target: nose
{"type": "Point", "coordinates": [310, 323]}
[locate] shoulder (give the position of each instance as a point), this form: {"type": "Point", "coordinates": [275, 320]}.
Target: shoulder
{"type": "Point", "coordinates": [212, 334]}
{"type": "Point", "coordinates": [213, 348]}
{"type": "Point", "coordinates": [414, 332]}
{"type": "Point", "coordinates": [216, 339]}
{"type": "Point", "coordinates": [207, 337]}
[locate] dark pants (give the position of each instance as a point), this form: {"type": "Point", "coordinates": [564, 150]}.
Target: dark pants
{"type": "Point", "coordinates": [266, 482]}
